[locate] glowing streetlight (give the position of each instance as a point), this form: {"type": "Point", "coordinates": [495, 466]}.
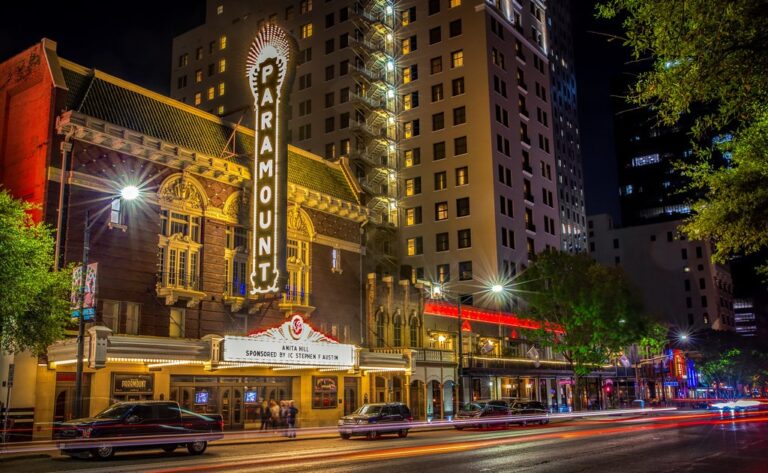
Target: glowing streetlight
{"type": "Point", "coordinates": [497, 288]}
{"type": "Point", "coordinates": [129, 193]}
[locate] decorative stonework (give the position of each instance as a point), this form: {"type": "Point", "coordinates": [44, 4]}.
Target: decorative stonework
{"type": "Point", "coordinates": [181, 191]}
{"type": "Point", "coordinates": [299, 222]}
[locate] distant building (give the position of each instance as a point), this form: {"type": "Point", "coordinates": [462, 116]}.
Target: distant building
{"type": "Point", "coordinates": [745, 317]}
{"type": "Point", "coordinates": [676, 277]}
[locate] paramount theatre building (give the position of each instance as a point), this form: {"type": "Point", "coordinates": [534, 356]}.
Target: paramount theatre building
{"type": "Point", "coordinates": [177, 313]}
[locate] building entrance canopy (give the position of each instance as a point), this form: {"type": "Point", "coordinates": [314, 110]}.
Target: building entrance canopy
{"type": "Point", "coordinates": [294, 342]}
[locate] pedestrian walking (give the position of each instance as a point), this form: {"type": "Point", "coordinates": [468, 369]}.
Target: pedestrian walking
{"type": "Point", "coordinates": [290, 418]}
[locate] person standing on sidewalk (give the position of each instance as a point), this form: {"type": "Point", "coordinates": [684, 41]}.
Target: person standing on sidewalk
{"type": "Point", "coordinates": [264, 415]}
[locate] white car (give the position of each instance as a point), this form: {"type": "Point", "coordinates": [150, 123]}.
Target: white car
{"type": "Point", "coordinates": [740, 405]}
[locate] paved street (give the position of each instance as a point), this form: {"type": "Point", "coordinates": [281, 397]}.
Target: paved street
{"type": "Point", "coordinates": [665, 442]}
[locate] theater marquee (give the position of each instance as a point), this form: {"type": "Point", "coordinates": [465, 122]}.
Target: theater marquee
{"type": "Point", "coordinates": [270, 69]}
{"type": "Point", "coordinates": [292, 343]}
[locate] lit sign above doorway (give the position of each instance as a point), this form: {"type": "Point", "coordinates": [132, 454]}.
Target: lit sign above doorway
{"type": "Point", "coordinates": [270, 69]}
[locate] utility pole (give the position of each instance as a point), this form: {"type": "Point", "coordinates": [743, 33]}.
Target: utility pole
{"type": "Point", "coordinates": [81, 319]}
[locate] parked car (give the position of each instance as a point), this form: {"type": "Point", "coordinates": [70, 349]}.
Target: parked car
{"type": "Point", "coordinates": [482, 414]}
{"type": "Point", "coordinates": [373, 420]}
{"type": "Point", "coordinates": [531, 412]}
{"type": "Point", "coordinates": [138, 425]}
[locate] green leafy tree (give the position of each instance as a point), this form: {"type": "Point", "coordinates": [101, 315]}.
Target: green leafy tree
{"type": "Point", "coordinates": [595, 305]}
{"type": "Point", "coordinates": [709, 59]}
{"type": "Point", "coordinates": [34, 302]}
{"type": "Point", "coordinates": [728, 358]}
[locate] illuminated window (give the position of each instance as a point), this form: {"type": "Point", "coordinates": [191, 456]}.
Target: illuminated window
{"type": "Point", "coordinates": [457, 58]}
{"type": "Point", "coordinates": [413, 216]}
{"type": "Point", "coordinates": [219, 9]}
{"type": "Point", "coordinates": [336, 260]}
{"type": "Point", "coordinates": [408, 16]}
{"type": "Point", "coordinates": [462, 176]}
{"type": "Point", "coordinates": [222, 88]}
{"type": "Point", "coordinates": [306, 31]}
{"type": "Point", "coordinates": [412, 186]}
{"type": "Point", "coordinates": [443, 273]}
{"type": "Point", "coordinates": [414, 246]}
{"type": "Point", "coordinates": [222, 65]}
{"type": "Point", "coordinates": [223, 42]}
{"type": "Point", "coordinates": [220, 110]}
{"type": "Point", "coordinates": [299, 258]}
{"type": "Point", "coordinates": [412, 157]}
{"type": "Point", "coordinates": [465, 270]}
{"type": "Point", "coordinates": [176, 322]}
{"type": "Point", "coordinates": [454, 3]}
{"type": "Point", "coordinates": [411, 129]}
{"type": "Point", "coordinates": [180, 239]}
{"type": "Point", "coordinates": [115, 214]}
{"type": "Point", "coordinates": [198, 76]}
{"type": "Point", "coordinates": [198, 98]}
{"type": "Point", "coordinates": [211, 93]}
{"type": "Point", "coordinates": [441, 211]}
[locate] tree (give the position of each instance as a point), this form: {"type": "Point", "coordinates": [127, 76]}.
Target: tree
{"type": "Point", "coordinates": [709, 59]}
{"type": "Point", "coordinates": [34, 302]}
{"type": "Point", "coordinates": [728, 358]}
{"type": "Point", "coordinates": [595, 305]}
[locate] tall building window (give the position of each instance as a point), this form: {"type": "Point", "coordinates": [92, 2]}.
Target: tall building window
{"type": "Point", "coordinates": [462, 176]}
{"type": "Point", "coordinates": [414, 331]}
{"type": "Point", "coordinates": [412, 157]}
{"type": "Point", "coordinates": [441, 212]}
{"type": "Point", "coordinates": [413, 216]}
{"type": "Point", "coordinates": [198, 98]}
{"type": "Point", "coordinates": [132, 318]}
{"type": "Point", "coordinates": [438, 151]}
{"type": "Point", "coordinates": [457, 86]}
{"type": "Point", "coordinates": [457, 58]}
{"type": "Point", "coordinates": [223, 42]}
{"type": "Point", "coordinates": [398, 331]}
{"type": "Point", "coordinates": [211, 93]}
{"type": "Point", "coordinates": [436, 65]}
{"type": "Point", "coordinates": [465, 238]}
{"type": "Point", "coordinates": [462, 207]}
{"type": "Point", "coordinates": [110, 315]}
{"type": "Point", "coordinates": [443, 273]}
{"type": "Point", "coordinates": [441, 182]}
{"type": "Point", "coordinates": [459, 115]}
{"type": "Point", "coordinates": [454, 3]}
{"type": "Point", "coordinates": [115, 213]}
{"type": "Point", "coordinates": [441, 242]}
{"type": "Point", "coordinates": [437, 92]}
{"type": "Point", "coordinates": [414, 246]}
{"type": "Point", "coordinates": [305, 6]}
{"type": "Point", "coordinates": [434, 6]}
{"type": "Point", "coordinates": [222, 88]}
{"type": "Point", "coordinates": [222, 65]}
{"type": "Point", "coordinates": [306, 30]}
{"type": "Point", "coordinates": [380, 329]}
{"type": "Point", "coordinates": [198, 76]}
{"type": "Point", "coordinates": [465, 270]}
{"type": "Point", "coordinates": [412, 186]}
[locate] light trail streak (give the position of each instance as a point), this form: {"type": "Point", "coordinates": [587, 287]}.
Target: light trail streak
{"type": "Point", "coordinates": [453, 447]}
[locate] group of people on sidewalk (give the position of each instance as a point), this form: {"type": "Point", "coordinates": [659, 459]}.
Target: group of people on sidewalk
{"type": "Point", "coordinates": [280, 416]}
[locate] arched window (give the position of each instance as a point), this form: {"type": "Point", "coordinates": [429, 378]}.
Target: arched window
{"type": "Point", "coordinates": [182, 202]}
{"type": "Point", "coordinates": [380, 327]}
{"type": "Point", "coordinates": [299, 257]}
{"type": "Point", "coordinates": [414, 331]}
{"type": "Point", "coordinates": [236, 248]}
{"type": "Point", "coordinates": [398, 335]}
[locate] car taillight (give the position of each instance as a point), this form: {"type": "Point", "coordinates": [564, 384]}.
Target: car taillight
{"type": "Point", "coordinates": [221, 424]}
{"type": "Point", "coordinates": [409, 419]}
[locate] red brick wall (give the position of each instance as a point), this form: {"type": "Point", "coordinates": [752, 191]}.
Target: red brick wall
{"type": "Point", "coordinates": [26, 99]}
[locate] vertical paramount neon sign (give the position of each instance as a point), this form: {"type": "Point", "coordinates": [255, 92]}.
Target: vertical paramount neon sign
{"type": "Point", "coordinates": [270, 72]}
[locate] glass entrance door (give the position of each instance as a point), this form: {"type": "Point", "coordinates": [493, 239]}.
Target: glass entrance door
{"type": "Point", "coordinates": [232, 407]}
{"type": "Point", "coordinates": [351, 390]}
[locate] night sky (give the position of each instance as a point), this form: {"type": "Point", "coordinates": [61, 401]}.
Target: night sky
{"type": "Point", "coordinates": [133, 42]}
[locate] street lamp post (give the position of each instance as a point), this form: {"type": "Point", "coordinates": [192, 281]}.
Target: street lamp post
{"type": "Point", "coordinates": [127, 193]}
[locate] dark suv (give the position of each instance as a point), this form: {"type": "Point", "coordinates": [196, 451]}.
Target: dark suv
{"type": "Point", "coordinates": [530, 412]}
{"type": "Point", "coordinates": [373, 420]}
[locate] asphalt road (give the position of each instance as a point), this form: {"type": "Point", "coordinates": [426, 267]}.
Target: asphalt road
{"type": "Point", "coordinates": [667, 442]}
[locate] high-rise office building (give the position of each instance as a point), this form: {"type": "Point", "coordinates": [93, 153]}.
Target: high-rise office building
{"type": "Point", "coordinates": [444, 109]}
{"type": "Point", "coordinates": [565, 126]}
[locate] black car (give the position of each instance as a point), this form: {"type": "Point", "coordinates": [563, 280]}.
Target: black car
{"type": "Point", "coordinates": [372, 420]}
{"type": "Point", "coordinates": [137, 426]}
{"type": "Point", "coordinates": [482, 414]}
{"type": "Point", "coordinates": [530, 412]}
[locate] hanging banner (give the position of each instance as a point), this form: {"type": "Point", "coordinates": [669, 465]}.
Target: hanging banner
{"type": "Point", "coordinates": [89, 299]}
{"type": "Point", "coordinates": [270, 69]}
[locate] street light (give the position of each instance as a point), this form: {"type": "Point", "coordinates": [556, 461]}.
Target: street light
{"type": "Point", "coordinates": [127, 193]}
{"type": "Point", "coordinates": [437, 292]}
